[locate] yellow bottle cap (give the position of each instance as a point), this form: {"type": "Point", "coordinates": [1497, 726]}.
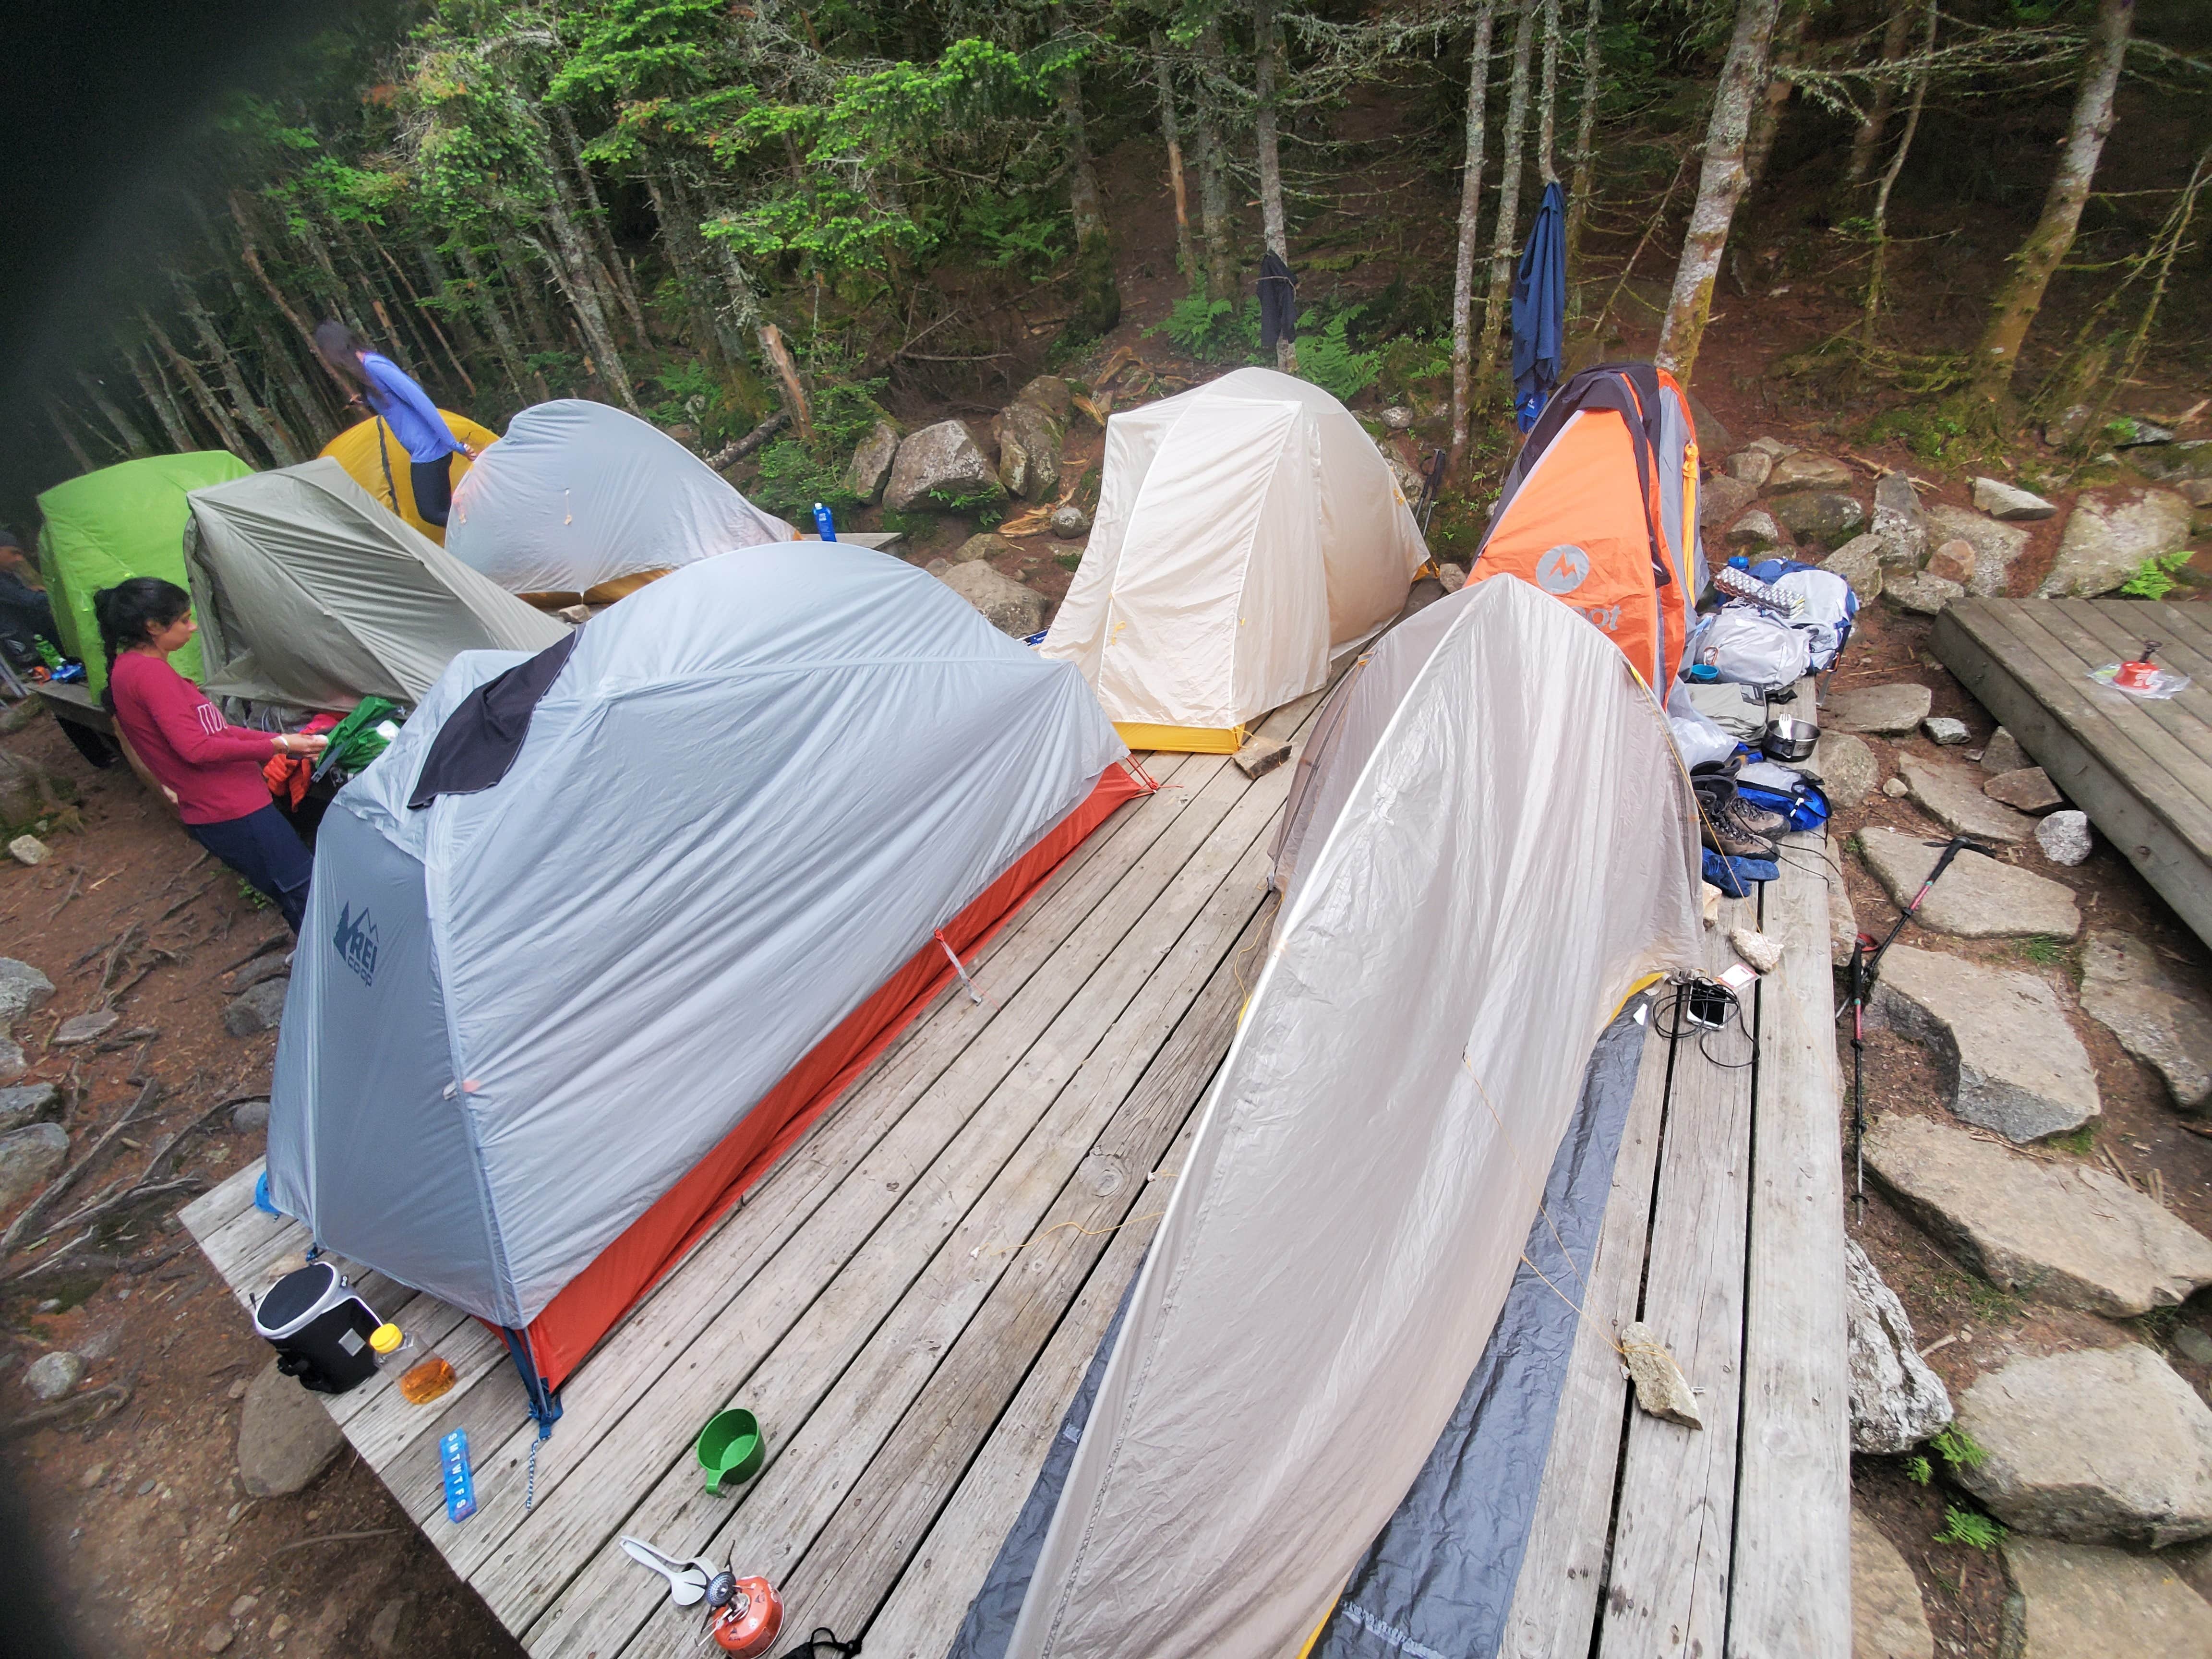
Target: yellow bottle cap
{"type": "Point", "coordinates": [385, 1337]}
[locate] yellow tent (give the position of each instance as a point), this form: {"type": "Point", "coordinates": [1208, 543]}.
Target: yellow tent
{"type": "Point", "coordinates": [378, 463]}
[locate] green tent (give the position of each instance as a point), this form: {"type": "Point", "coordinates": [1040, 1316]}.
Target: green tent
{"type": "Point", "coordinates": [121, 521]}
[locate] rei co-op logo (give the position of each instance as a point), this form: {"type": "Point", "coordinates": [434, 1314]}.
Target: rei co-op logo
{"type": "Point", "coordinates": [356, 942]}
{"type": "Point", "coordinates": [1562, 568]}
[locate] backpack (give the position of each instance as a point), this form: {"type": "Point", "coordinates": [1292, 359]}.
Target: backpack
{"type": "Point", "coordinates": [1828, 607]}
{"type": "Point", "coordinates": [1600, 510]}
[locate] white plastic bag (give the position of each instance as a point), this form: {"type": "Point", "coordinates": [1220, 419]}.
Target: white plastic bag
{"type": "Point", "coordinates": [1825, 607]}
{"type": "Point", "coordinates": [1747, 646]}
{"type": "Point", "coordinates": [1700, 741]}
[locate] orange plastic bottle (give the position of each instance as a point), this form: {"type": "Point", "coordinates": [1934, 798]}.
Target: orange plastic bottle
{"type": "Point", "coordinates": [421, 1382]}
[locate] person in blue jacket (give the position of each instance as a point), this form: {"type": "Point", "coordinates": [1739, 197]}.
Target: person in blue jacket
{"type": "Point", "coordinates": [386, 390]}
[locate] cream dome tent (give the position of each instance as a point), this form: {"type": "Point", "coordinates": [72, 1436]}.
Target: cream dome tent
{"type": "Point", "coordinates": [310, 591]}
{"type": "Point", "coordinates": [579, 495]}
{"type": "Point", "coordinates": [1515, 858]}
{"type": "Point", "coordinates": [1247, 530]}
{"type": "Point", "coordinates": [527, 1054]}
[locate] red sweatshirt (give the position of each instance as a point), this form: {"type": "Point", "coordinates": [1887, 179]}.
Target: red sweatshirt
{"type": "Point", "coordinates": [215, 767]}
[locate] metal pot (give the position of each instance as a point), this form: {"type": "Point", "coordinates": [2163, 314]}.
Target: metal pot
{"type": "Point", "coordinates": [1791, 740]}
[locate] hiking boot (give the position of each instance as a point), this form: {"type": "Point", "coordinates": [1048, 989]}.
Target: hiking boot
{"type": "Point", "coordinates": [1759, 819]}
{"type": "Point", "coordinates": [1724, 832]}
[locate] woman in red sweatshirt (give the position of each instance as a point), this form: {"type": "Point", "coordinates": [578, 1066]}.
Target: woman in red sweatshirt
{"type": "Point", "coordinates": [211, 768]}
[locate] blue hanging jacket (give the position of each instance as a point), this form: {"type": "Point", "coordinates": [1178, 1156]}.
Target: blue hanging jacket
{"type": "Point", "coordinates": [1540, 309]}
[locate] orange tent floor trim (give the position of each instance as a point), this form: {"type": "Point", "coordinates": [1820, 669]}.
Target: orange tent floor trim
{"type": "Point", "coordinates": [590, 1305]}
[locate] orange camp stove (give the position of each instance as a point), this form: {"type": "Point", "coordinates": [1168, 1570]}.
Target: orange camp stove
{"type": "Point", "coordinates": [747, 1623]}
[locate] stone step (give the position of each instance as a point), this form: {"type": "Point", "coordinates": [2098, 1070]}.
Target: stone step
{"type": "Point", "coordinates": [2013, 1063]}
{"type": "Point", "coordinates": [2163, 1023]}
{"type": "Point", "coordinates": [2087, 1602]}
{"type": "Point", "coordinates": [1953, 796]}
{"type": "Point", "coordinates": [1979, 898]}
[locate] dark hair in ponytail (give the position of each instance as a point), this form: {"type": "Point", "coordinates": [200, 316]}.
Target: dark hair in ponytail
{"type": "Point", "coordinates": [131, 610]}
{"type": "Point", "coordinates": [341, 348]}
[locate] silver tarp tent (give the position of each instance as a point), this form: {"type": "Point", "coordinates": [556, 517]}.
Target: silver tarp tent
{"type": "Point", "coordinates": [1515, 856]}
{"type": "Point", "coordinates": [521, 1013]}
{"type": "Point", "coordinates": [578, 494]}
{"type": "Point", "coordinates": [310, 592]}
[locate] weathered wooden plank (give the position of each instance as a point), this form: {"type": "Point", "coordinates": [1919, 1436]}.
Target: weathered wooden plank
{"type": "Point", "coordinates": [1667, 1589]}
{"type": "Point", "coordinates": [844, 1575]}
{"type": "Point", "coordinates": [1555, 1598]}
{"type": "Point", "coordinates": [599, 1609]}
{"type": "Point", "coordinates": [222, 1204]}
{"type": "Point", "coordinates": [1792, 1588]}
{"type": "Point", "coordinates": [2097, 637]}
{"type": "Point", "coordinates": [1981, 651]}
{"type": "Point", "coordinates": [2179, 622]}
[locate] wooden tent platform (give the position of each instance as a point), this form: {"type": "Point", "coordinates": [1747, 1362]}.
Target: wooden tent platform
{"type": "Point", "coordinates": [910, 1299]}
{"type": "Point", "coordinates": [2141, 769]}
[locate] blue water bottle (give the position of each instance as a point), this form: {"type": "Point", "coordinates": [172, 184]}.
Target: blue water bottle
{"type": "Point", "coordinates": [824, 524]}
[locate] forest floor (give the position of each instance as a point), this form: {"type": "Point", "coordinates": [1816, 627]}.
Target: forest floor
{"type": "Point", "coordinates": [151, 1542]}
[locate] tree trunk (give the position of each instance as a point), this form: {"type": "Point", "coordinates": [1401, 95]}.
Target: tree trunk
{"type": "Point", "coordinates": [1879, 260]}
{"type": "Point", "coordinates": [510, 353]}
{"type": "Point", "coordinates": [178, 430]}
{"type": "Point", "coordinates": [1547, 93]}
{"type": "Point", "coordinates": [1171, 132]}
{"type": "Point", "coordinates": [134, 440]}
{"type": "Point", "coordinates": [251, 256]}
{"type": "Point", "coordinates": [280, 372]}
{"type": "Point", "coordinates": [2021, 293]}
{"type": "Point", "coordinates": [1866, 142]}
{"type": "Point", "coordinates": [68, 435]}
{"type": "Point", "coordinates": [1470, 205]}
{"type": "Point", "coordinates": [1214, 174]}
{"type": "Point", "coordinates": [1720, 187]}
{"type": "Point", "coordinates": [602, 359]}
{"type": "Point", "coordinates": [217, 416]}
{"type": "Point", "coordinates": [603, 234]}
{"type": "Point", "coordinates": [258, 420]}
{"type": "Point", "coordinates": [1266, 46]}
{"type": "Point", "coordinates": [786, 376]}
{"type": "Point", "coordinates": [1097, 299]}
{"type": "Point", "coordinates": [1766, 119]}
{"type": "Point", "coordinates": [680, 238]}
{"type": "Point", "coordinates": [1585, 157]}
{"type": "Point", "coordinates": [426, 318]}
{"type": "Point", "coordinates": [449, 304]}
{"type": "Point", "coordinates": [1504, 246]}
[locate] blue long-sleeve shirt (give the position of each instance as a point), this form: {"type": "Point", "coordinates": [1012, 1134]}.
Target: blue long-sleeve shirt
{"type": "Point", "coordinates": [407, 409]}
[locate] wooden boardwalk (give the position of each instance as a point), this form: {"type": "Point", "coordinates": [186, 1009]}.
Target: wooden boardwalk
{"type": "Point", "coordinates": [909, 1299]}
{"type": "Point", "coordinates": [2141, 769]}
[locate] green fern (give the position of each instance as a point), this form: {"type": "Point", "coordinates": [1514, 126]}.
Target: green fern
{"type": "Point", "coordinates": [1960, 1449]}
{"type": "Point", "coordinates": [1919, 1470]}
{"type": "Point", "coordinates": [1967, 1527]}
{"type": "Point", "coordinates": [1331, 361]}
{"type": "Point", "coordinates": [2153, 577]}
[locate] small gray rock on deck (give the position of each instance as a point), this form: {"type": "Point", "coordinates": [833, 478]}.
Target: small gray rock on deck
{"type": "Point", "coordinates": [1883, 710]}
{"type": "Point", "coordinates": [2161, 1022]}
{"type": "Point", "coordinates": [2108, 1445]}
{"type": "Point", "coordinates": [1979, 898]}
{"type": "Point", "coordinates": [1952, 795]}
{"type": "Point", "coordinates": [1897, 1402]}
{"type": "Point", "coordinates": [2090, 1601]}
{"type": "Point", "coordinates": [2012, 1062]}
{"type": "Point", "coordinates": [2065, 1232]}
{"type": "Point", "coordinates": [1887, 1619]}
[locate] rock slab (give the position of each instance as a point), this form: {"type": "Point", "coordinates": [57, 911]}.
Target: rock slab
{"type": "Point", "coordinates": [2162, 1022]}
{"type": "Point", "coordinates": [2088, 1602]}
{"type": "Point", "coordinates": [1751, 466]}
{"type": "Point", "coordinates": [1997, 547]}
{"type": "Point", "coordinates": [29, 1103]}
{"type": "Point", "coordinates": [1899, 524]}
{"type": "Point", "coordinates": [1808, 470]}
{"type": "Point", "coordinates": [1858, 562]}
{"type": "Point", "coordinates": [2009, 503]}
{"type": "Point", "coordinates": [1722, 499]}
{"type": "Point", "coordinates": [1897, 1402]}
{"type": "Point", "coordinates": [870, 469]}
{"type": "Point", "coordinates": [987, 545]}
{"type": "Point", "coordinates": [2029, 789]}
{"type": "Point", "coordinates": [1953, 796]}
{"type": "Point", "coordinates": [2010, 1060]}
{"type": "Point", "coordinates": [85, 1027]}
{"type": "Point", "coordinates": [1008, 605]}
{"type": "Point", "coordinates": [1846, 768]}
{"type": "Point", "coordinates": [1819, 516]}
{"type": "Point", "coordinates": [1922, 593]}
{"type": "Point", "coordinates": [1755, 528]}
{"type": "Point", "coordinates": [2003, 754]}
{"type": "Point", "coordinates": [2101, 1446]}
{"type": "Point", "coordinates": [2066, 1232]}
{"type": "Point", "coordinates": [1979, 898]}
{"type": "Point", "coordinates": [1882, 710]}
{"type": "Point", "coordinates": [285, 1436]}
{"type": "Point", "coordinates": [1887, 1619]}
{"type": "Point", "coordinates": [28, 1157]}
{"type": "Point", "coordinates": [260, 1009]}
{"type": "Point", "coordinates": [943, 459]}
{"type": "Point", "coordinates": [1944, 732]}
{"type": "Point", "coordinates": [2109, 533]}
{"type": "Point", "coordinates": [22, 988]}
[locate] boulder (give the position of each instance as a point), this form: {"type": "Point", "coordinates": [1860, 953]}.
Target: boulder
{"type": "Point", "coordinates": [1755, 529]}
{"type": "Point", "coordinates": [250, 1117]}
{"type": "Point", "coordinates": [939, 460]}
{"type": "Point", "coordinates": [52, 1374]}
{"type": "Point", "coordinates": [2010, 1062]}
{"type": "Point", "coordinates": [2133, 432]}
{"type": "Point", "coordinates": [1750, 466]}
{"type": "Point", "coordinates": [1029, 440]}
{"type": "Point", "coordinates": [2003, 753]}
{"type": "Point", "coordinates": [1007, 605]}
{"type": "Point", "coordinates": [1898, 522]}
{"type": "Point", "coordinates": [23, 989]}
{"type": "Point", "coordinates": [1452, 577]}
{"type": "Point", "coordinates": [285, 1436]}
{"type": "Point", "coordinates": [1398, 417]}
{"type": "Point", "coordinates": [1953, 796]}
{"type": "Point", "coordinates": [1823, 517]}
{"type": "Point", "coordinates": [1887, 1620]}
{"type": "Point", "coordinates": [2067, 425]}
{"type": "Point", "coordinates": [1953, 562]}
{"type": "Point", "coordinates": [261, 1009]}
{"type": "Point", "coordinates": [1897, 1402]}
{"type": "Point", "coordinates": [2193, 460]}
{"type": "Point", "coordinates": [1997, 546]}
{"type": "Point", "coordinates": [1069, 521]}
{"type": "Point", "coordinates": [1713, 438]}
{"type": "Point", "coordinates": [13, 1061]}
{"type": "Point", "coordinates": [870, 468]}
{"type": "Point", "coordinates": [2065, 839]}
{"type": "Point", "coordinates": [28, 1157]}
{"type": "Point", "coordinates": [2109, 533]}
{"type": "Point", "coordinates": [1051, 394]}
{"type": "Point", "coordinates": [29, 1103]}
{"type": "Point", "coordinates": [2089, 1601]}
{"type": "Point", "coordinates": [1979, 898]}
{"type": "Point", "coordinates": [1858, 562]}
{"type": "Point", "coordinates": [1773, 446]}
{"type": "Point", "coordinates": [1944, 732]}
{"type": "Point", "coordinates": [1721, 500]}
{"type": "Point", "coordinates": [2067, 1233]}
{"type": "Point", "coordinates": [2103, 1446]}
{"type": "Point", "coordinates": [29, 849]}
{"type": "Point", "coordinates": [2161, 1021]}
{"type": "Point", "coordinates": [1921, 594]}
{"type": "Point", "coordinates": [2027, 790]}
{"type": "Point", "coordinates": [2009, 503]}
{"type": "Point", "coordinates": [1884, 710]}
{"type": "Point", "coordinates": [79, 1029]}
{"type": "Point", "coordinates": [1808, 470]}
{"type": "Point", "coordinates": [1845, 768]}
{"type": "Point", "coordinates": [989, 545]}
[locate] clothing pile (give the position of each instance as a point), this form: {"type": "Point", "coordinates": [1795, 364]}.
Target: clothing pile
{"type": "Point", "coordinates": [1735, 716]}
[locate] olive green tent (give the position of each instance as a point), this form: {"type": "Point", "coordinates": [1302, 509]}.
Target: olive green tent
{"type": "Point", "coordinates": [121, 521]}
